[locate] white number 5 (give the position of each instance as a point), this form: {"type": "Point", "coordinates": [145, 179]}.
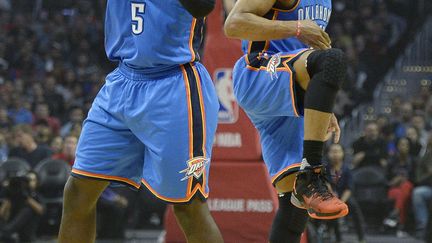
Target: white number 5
{"type": "Point", "coordinates": [137, 12]}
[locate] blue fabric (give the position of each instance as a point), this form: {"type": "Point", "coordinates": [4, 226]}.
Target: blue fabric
{"type": "Point", "coordinates": [267, 99]}
{"type": "Point", "coordinates": [316, 10]}
{"type": "Point", "coordinates": [21, 116]}
{"type": "Point", "coordinates": [152, 35]}
{"type": "Point", "coordinates": [138, 128]}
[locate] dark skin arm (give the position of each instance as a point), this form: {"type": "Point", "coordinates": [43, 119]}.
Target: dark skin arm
{"type": "Point", "coordinates": [246, 21]}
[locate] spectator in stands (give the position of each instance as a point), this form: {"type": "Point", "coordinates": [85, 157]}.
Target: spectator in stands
{"type": "Point", "coordinates": [21, 209]}
{"type": "Point", "coordinates": [370, 149]}
{"type": "Point", "coordinates": [42, 132]}
{"type": "Point", "coordinates": [56, 145]}
{"type": "Point", "coordinates": [414, 141]}
{"type": "Point", "coordinates": [111, 209]}
{"type": "Point", "coordinates": [76, 115]}
{"type": "Point", "coordinates": [27, 148]}
{"type": "Point", "coordinates": [341, 182]}
{"type": "Point", "coordinates": [18, 112]}
{"type": "Point", "coordinates": [68, 152]}
{"type": "Point", "coordinates": [428, 114]}
{"type": "Point", "coordinates": [422, 193]}
{"type": "Point", "coordinates": [418, 122]}
{"type": "Point", "coordinates": [405, 119]}
{"type": "Point", "coordinates": [42, 113]}
{"type": "Point", "coordinates": [4, 149]}
{"type": "Point", "coordinates": [5, 121]}
{"type": "Point", "coordinates": [387, 134]}
{"type": "Point", "coordinates": [52, 97]}
{"type": "Point", "coordinates": [400, 176]}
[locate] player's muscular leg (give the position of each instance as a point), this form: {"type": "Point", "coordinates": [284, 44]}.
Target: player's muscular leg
{"type": "Point", "coordinates": [290, 221]}
{"type": "Point", "coordinates": [321, 73]}
{"type": "Point", "coordinates": [78, 223]}
{"type": "Point", "coordinates": [285, 184]}
{"type": "Point", "coordinates": [197, 223]}
{"type": "Point", "coordinates": [328, 70]}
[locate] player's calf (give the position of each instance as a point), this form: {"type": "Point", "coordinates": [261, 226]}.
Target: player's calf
{"type": "Point", "coordinates": [78, 222]}
{"type": "Point", "coordinates": [289, 222]}
{"type": "Point", "coordinates": [196, 222]}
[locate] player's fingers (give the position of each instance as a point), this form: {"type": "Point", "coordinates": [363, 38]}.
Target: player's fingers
{"type": "Point", "coordinates": [337, 134]}
{"type": "Point", "coordinates": [337, 131]}
{"type": "Point", "coordinates": [325, 42]}
{"type": "Point", "coordinates": [326, 37]}
{"type": "Point", "coordinates": [321, 45]}
{"type": "Point", "coordinates": [328, 135]}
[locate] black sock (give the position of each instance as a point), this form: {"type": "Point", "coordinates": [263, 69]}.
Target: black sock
{"type": "Point", "coordinates": [313, 151]}
{"type": "Point", "coordinates": [289, 222]}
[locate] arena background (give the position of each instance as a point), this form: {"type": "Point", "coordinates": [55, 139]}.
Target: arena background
{"type": "Point", "coordinates": [52, 63]}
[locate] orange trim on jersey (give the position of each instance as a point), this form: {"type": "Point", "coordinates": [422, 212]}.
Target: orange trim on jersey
{"type": "Point", "coordinates": [285, 170]}
{"type": "Point", "coordinates": [249, 46]}
{"type": "Point", "coordinates": [286, 68]}
{"type": "Point", "coordinates": [292, 81]}
{"type": "Point", "coordinates": [203, 114]}
{"type": "Point", "coordinates": [191, 37]}
{"type": "Point", "coordinates": [189, 105]}
{"type": "Point", "coordinates": [198, 187]}
{"type": "Point", "coordinates": [288, 10]}
{"type": "Point", "coordinates": [106, 177]}
{"type": "Point", "coordinates": [173, 200]}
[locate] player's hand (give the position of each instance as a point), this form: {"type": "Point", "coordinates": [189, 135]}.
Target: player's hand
{"type": "Point", "coordinates": [333, 129]}
{"type": "Point", "coordinates": [312, 35]}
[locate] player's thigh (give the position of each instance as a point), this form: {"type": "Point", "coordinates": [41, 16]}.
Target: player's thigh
{"type": "Point", "coordinates": [178, 134]}
{"type": "Point", "coordinates": [282, 147]}
{"type": "Point", "coordinates": [265, 85]}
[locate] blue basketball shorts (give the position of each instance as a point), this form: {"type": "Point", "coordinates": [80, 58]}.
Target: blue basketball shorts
{"type": "Point", "coordinates": [265, 87]}
{"type": "Point", "coordinates": [155, 130]}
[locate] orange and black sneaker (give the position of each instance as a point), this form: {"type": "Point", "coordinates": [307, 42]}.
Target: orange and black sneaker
{"type": "Point", "coordinates": [311, 192]}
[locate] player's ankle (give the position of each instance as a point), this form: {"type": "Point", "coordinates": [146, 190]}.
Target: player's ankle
{"type": "Point", "coordinates": [313, 151]}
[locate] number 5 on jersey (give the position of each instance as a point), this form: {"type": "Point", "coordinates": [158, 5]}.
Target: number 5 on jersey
{"type": "Point", "coordinates": [137, 12]}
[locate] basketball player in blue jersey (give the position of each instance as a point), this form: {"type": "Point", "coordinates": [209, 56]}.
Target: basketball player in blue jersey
{"type": "Point", "coordinates": [287, 82]}
{"type": "Point", "coordinates": [154, 120]}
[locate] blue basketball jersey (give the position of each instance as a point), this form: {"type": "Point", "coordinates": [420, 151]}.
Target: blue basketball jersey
{"type": "Point", "coordinates": [316, 10]}
{"type": "Point", "coordinates": [151, 35]}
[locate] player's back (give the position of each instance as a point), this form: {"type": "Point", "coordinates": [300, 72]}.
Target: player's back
{"type": "Point", "coordinates": [316, 10]}
{"type": "Point", "coordinates": [151, 35]}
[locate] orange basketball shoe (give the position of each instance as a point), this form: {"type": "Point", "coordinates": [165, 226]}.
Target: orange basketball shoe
{"type": "Point", "coordinates": [311, 192]}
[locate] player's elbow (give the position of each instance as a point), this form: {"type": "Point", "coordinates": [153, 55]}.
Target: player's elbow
{"type": "Point", "coordinates": [198, 8]}
{"type": "Point", "coordinates": [231, 26]}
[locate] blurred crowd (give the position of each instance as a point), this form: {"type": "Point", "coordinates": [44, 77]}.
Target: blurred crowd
{"type": "Point", "coordinates": [52, 63]}
{"type": "Point", "coordinates": [371, 33]}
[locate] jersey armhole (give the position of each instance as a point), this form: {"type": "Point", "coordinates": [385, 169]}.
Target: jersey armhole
{"type": "Point", "coordinates": [290, 9]}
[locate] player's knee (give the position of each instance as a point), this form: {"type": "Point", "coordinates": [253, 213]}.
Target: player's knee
{"type": "Point", "coordinates": [77, 200]}
{"type": "Point", "coordinates": [332, 65]}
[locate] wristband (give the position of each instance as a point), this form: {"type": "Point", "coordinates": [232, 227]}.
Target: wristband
{"type": "Point", "coordinates": [298, 29]}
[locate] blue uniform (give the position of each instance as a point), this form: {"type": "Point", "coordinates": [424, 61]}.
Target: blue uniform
{"type": "Point", "coordinates": [265, 87]}
{"type": "Point", "coordinates": [154, 120]}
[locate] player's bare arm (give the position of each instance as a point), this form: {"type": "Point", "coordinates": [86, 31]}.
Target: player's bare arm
{"type": "Point", "coordinates": [246, 21]}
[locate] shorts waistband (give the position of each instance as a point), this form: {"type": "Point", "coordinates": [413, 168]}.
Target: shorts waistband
{"type": "Point", "coordinates": [148, 74]}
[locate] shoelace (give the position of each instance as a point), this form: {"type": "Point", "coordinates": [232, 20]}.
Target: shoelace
{"type": "Point", "coordinates": [317, 184]}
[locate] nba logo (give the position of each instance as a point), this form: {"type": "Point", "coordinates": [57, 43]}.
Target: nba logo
{"type": "Point", "coordinates": [229, 109]}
